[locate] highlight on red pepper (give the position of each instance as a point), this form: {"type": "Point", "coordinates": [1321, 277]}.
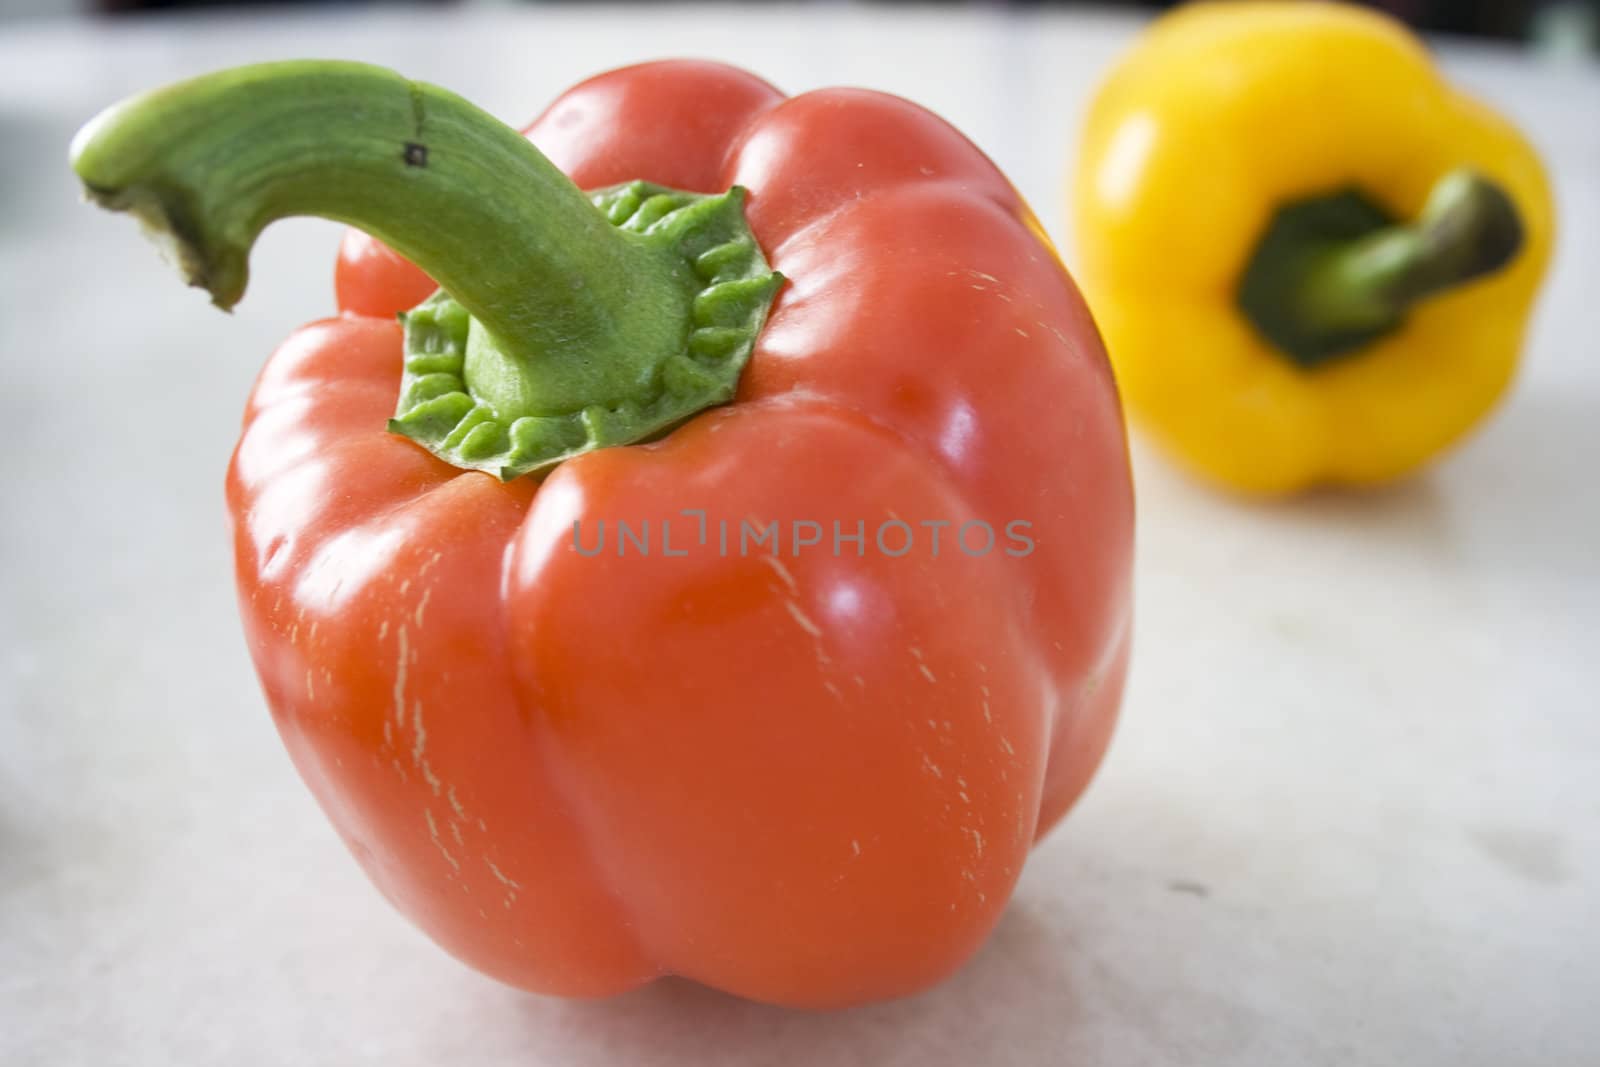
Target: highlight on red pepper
{"type": "Point", "coordinates": [720, 571]}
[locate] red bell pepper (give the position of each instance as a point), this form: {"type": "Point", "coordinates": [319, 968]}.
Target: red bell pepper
{"type": "Point", "coordinates": [798, 746]}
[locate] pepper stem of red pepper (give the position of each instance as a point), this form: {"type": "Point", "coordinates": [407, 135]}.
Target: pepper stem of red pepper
{"type": "Point", "coordinates": [1334, 273]}
{"type": "Point", "coordinates": [567, 321]}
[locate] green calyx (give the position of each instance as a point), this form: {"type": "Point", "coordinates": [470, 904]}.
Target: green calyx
{"type": "Point", "coordinates": [472, 402]}
{"type": "Point", "coordinates": [1334, 273]}
{"type": "Point", "coordinates": [565, 321]}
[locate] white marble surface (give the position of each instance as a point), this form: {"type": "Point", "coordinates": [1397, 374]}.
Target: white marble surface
{"type": "Point", "coordinates": [1353, 814]}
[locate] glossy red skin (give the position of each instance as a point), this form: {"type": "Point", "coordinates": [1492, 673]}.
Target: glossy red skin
{"type": "Point", "coordinates": [810, 780]}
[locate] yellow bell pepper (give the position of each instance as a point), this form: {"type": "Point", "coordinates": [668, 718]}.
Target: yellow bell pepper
{"type": "Point", "coordinates": [1311, 258]}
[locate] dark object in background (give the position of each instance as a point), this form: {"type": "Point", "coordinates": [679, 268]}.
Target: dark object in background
{"type": "Point", "coordinates": [1506, 19]}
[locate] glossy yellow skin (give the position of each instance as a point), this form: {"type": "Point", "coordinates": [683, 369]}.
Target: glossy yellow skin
{"type": "Point", "coordinates": [1220, 115]}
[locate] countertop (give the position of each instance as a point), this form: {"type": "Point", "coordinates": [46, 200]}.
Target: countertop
{"type": "Point", "coordinates": [1352, 814]}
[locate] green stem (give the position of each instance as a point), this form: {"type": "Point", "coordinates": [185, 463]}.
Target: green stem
{"type": "Point", "coordinates": [214, 160]}
{"type": "Point", "coordinates": [569, 313]}
{"type": "Point", "coordinates": [1335, 273]}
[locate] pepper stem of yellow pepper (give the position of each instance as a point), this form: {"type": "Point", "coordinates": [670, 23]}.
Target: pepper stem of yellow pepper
{"type": "Point", "coordinates": [1334, 273]}
{"type": "Point", "coordinates": [568, 320]}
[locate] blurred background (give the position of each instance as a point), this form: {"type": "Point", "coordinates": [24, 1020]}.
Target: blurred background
{"type": "Point", "coordinates": [1564, 27]}
{"type": "Point", "coordinates": [1350, 815]}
